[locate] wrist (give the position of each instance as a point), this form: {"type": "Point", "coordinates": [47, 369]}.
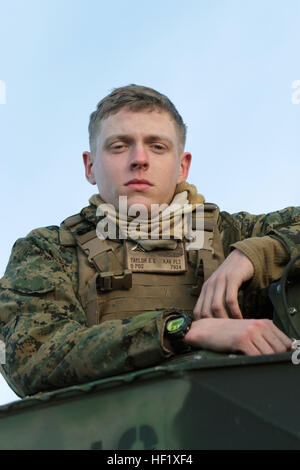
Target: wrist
{"type": "Point", "coordinates": [175, 330]}
{"type": "Point", "coordinates": [199, 332]}
{"type": "Point", "coordinates": [189, 337]}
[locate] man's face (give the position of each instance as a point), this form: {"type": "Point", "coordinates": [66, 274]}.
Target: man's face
{"type": "Point", "coordinates": [138, 156]}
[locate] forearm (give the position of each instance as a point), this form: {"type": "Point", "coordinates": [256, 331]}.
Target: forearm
{"type": "Point", "coordinates": [268, 257]}
{"type": "Point", "coordinates": [42, 355]}
{"type": "Point", "coordinates": [43, 324]}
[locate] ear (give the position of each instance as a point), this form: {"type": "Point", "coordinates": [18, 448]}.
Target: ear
{"type": "Point", "coordinates": [88, 161]}
{"type": "Point", "coordinates": [185, 163]}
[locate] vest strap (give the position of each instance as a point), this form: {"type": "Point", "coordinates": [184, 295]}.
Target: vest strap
{"type": "Point", "coordinates": [211, 255]}
{"type": "Point", "coordinates": [112, 275]}
{"type": "Point", "coordinates": [108, 281]}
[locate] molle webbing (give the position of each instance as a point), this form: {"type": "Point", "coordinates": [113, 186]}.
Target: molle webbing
{"type": "Point", "coordinates": [109, 290]}
{"type": "Point", "coordinates": [102, 256]}
{"type": "Point", "coordinates": [149, 292]}
{"type": "Point", "coordinates": [211, 255]}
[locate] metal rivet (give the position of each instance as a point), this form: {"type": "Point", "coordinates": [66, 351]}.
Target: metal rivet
{"type": "Point", "coordinates": [292, 310]}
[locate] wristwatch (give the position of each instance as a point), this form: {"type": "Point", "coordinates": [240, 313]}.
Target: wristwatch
{"type": "Point", "coordinates": [175, 331]}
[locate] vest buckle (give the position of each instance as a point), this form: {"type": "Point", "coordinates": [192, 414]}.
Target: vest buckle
{"type": "Point", "coordinates": [109, 281]}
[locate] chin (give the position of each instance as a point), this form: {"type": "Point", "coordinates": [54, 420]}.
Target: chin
{"type": "Point", "coordinates": [140, 204]}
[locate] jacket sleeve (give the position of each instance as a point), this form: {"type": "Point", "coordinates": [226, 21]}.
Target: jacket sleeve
{"type": "Point", "coordinates": [270, 241]}
{"type": "Point", "coordinates": [43, 325]}
{"type": "Point", "coordinates": [283, 225]}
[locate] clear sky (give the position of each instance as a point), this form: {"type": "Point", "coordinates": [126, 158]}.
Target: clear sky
{"type": "Point", "coordinates": [228, 66]}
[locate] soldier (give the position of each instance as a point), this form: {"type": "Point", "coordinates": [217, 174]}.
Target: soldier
{"type": "Point", "coordinates": [77, 306]}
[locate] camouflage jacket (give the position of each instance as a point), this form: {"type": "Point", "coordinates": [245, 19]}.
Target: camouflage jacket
{"type": "Point", "coordinates": [43, 325]}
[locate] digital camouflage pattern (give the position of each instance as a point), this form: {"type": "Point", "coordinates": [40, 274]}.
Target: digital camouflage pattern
{"type": "Point", "coordinates": [48, 344]}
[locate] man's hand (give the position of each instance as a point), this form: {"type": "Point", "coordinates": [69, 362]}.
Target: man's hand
{"type": "Point", "coordinates": [251, 337]}
{"type": "Point", "coordinates": [221, 289]}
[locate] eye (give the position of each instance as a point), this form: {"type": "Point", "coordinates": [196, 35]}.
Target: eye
{"type": "Point", "coordinates": [118, 147]}
{"type": "Point", "coordinates": [158, 147]}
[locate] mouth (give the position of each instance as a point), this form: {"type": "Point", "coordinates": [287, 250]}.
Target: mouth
{"type": "Point", "coordinates": [139, 184]}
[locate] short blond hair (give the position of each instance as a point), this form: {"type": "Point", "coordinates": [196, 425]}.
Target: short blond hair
{"type": "Point", "coordinates": [134, 98]}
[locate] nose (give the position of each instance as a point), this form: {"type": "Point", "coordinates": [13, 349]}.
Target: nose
{"type": "Point", "coordinates": [139, 158]}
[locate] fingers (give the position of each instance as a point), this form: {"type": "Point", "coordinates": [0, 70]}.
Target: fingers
{"type": "Point", "coordinates": [251, 350]}
{"type": "Point", "coordinates": [250, 337]}
{"type": "Point", "coordinates": [198, 307]}
{"type": "Point", "coordinates": [212, 300]}
{"type": "Point", "coordinates": [219, 295]}
{"type": "Point", "coordinates": [263, 337]}
{"type": "Point", "coordinates": [277, 339]}
{"type": "Point", "coordinates": [231, 300]}
{"type": "Point", "coordinates": [264, 346]}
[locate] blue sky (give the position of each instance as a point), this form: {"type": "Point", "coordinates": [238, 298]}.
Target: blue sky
{"type": "Point", "coordinates": [228, 66]}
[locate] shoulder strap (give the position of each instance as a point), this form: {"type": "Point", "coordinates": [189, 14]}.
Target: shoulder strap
{"type": "Point", "coordinates": [112, 274]}
{"type": "Point", "coordinates": [211, 255]}
{"type": "Point", "coordinates": [98, 265]}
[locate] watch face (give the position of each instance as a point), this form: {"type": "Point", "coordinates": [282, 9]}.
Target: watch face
{"type": "Point", "coordinates": [175, 324]}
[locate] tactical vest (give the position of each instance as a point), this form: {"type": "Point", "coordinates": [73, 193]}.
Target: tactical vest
{"type": "Point", "coordinates": [117, 280]}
